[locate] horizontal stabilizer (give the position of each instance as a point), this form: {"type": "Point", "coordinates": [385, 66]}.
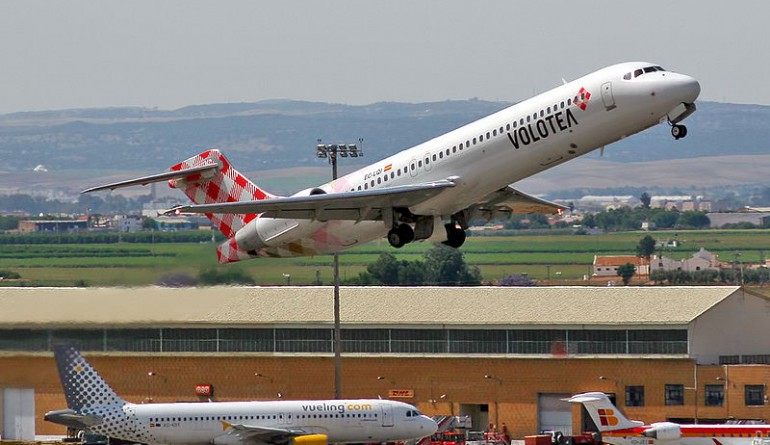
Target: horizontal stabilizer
{"type": "Point", "coordinates": [71, 419]}
{"type": "Point", "coordinates": [356, 206]}
{"type": "Point", "coordinates": [144, 180]}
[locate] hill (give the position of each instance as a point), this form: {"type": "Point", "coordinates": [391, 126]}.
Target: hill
{"type": "Point", "coordinates": [278, 135]}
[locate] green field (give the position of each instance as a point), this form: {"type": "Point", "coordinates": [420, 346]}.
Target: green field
{"type": "Point", "coordinates": [557, 257]}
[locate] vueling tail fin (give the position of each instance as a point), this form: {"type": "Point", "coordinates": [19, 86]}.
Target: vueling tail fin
{"type": "Point", "coordinates": [83, 386]}
{"type": "Point", "coordinates": [224, 184]}
{"type": "Point", "coordinates": [605, 415]}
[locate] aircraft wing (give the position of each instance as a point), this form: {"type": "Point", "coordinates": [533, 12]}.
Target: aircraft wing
{"type": "Point", "coordinates": [511, 201]}
{"type": "Point", "coordinates": [256, 435]}
{"type": "Point", "coordinates": [357, 206]}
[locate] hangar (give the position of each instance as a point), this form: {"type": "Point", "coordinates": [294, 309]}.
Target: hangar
{"type": "Point", "coordinates": [503, 356]}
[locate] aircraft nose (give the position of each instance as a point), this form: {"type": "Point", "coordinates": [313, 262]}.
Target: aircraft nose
{"type": "Point", "coordinates": [429, 426]}
{"type": "Point", "coordinates": [687, 88]}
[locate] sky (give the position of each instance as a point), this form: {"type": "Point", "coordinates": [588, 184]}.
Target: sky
{"type": "Point", "coordinates": [173, 53]}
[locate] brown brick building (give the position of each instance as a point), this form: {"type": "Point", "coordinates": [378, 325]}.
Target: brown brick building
{"type": "Point", "coordinates": [500, 355]}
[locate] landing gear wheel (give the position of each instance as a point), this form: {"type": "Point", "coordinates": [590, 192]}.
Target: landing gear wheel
{"type": "Point", "coordinates": [455, 236]}
{"type": "Point", "coordinates": [398, 236]}
{"type": "Point", "coordinates": [678, 131]}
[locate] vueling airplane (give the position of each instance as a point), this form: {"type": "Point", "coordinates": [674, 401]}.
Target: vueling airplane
{"type": "Point", "coordinates": [616, 429]}
{"type": "Point", "coordinates": [95, 407]}
{"type": "Point", "coordinates": [431, 191]}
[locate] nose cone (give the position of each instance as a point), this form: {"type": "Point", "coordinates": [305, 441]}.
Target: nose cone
{"type": "Point", "coordinates": [686, 88]}
{"type": "Point", "coordinates": [428, 426]}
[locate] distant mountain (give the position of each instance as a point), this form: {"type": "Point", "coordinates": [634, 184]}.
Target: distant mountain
{"type": "Point", "coordinates": [281, 134]}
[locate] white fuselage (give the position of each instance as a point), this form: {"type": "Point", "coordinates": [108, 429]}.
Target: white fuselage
{"type": "Point", "coordinates": [493, 152]}
{"type": "Point", "coordinates": [207, 423]}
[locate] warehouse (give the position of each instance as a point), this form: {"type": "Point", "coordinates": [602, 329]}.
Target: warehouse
{"type": "Point", "coordinates": [503, 356]}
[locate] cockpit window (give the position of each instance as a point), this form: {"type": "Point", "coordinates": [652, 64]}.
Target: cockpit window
{"type": "Point", "coordinates": [639, 72]}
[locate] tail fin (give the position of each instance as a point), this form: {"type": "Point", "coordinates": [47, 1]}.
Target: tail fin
{"type": "Point", "coordinates": [83, 386]}
{"type": "Point", "coordinates": [225, 185]}
{"type": "Point", "coordinates": [605, 415]}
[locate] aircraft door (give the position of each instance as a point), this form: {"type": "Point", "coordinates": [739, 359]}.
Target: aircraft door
{"type": "Point", "coordinates": [413, 167]}
{"type": "Point", "coordinates": [387, 415]}
{"type": "Point", "coordinates": [607, 97]}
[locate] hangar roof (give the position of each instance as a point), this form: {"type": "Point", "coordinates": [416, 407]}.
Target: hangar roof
{"type": "Point", "coordinates": [360, 306]}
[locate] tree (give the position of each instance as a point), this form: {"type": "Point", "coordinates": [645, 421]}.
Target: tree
{"type": "Point", "coordinates": [626, 272]}
{"type": "Point", "coordinates": [646, 199]}
{"type": "Point", "coordinates": [646, 248]}
{"type": "Point", "coordinates": [445, 265]}
{"type": "Point", "coordinates": [693, 219]}
{"type": "Point", "coordinates": [385, 269]}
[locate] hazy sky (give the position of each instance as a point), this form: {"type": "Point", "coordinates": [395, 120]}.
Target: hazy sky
{"type": "Point", "coordinates": [168, 54]}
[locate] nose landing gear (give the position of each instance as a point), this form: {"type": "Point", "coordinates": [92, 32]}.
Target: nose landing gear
{"type": "Point", "coordinates": [678, 131]}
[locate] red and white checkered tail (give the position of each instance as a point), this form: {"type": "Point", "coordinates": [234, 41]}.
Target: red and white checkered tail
{"type": "Point", "coordinates": [225, 184]}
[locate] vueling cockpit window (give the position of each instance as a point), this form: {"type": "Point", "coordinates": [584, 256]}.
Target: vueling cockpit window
{"type": "Point", "coordinates": [639, 72]}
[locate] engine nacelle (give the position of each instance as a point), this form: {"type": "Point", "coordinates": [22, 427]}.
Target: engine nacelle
{"type": "Point", "coordinates": [310, 192]}
{"type": "Point", "coordinates": [310, 439]}
{"type": "Point", "coordinates": [663, 431]}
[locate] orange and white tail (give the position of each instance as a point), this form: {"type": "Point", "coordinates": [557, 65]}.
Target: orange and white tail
{"type": "Point", "coordinates": [223, 184]}
{"type": "Point", "coordinates": [605, 415]}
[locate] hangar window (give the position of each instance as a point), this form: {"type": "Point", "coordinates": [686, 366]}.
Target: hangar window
{"type": "Point", "coordinates": [715, 395]}
{"type": "Point", "coordinates": [674, 394]}
{"type": "Point", "coordinates": [755, 395]}
{"type": "Point", "coordinates": [635, 395]}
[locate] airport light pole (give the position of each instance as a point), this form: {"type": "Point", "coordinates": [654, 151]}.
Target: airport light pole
{"type": "Point", "coordinates": [331, 152]}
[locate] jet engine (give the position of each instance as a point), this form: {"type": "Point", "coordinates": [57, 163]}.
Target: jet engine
{"type": "Point", "coordinates": [311, 439]}
{"type": "Point", "coordinates": [663, 431]}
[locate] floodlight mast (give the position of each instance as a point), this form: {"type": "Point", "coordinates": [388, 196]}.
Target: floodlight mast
{"type": "Point", "coordinates": [330, 152]}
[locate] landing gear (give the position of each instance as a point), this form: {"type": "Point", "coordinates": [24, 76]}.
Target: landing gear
{"type": "Point", "coordinates": [678, 131]}
{"type": "Point", "coordinates": [400, 235]}
{"type": "Point", "coordinates": [455, 236]}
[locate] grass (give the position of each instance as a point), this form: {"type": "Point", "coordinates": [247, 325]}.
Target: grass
{"type": "Point", "coordinates": [557, 257]}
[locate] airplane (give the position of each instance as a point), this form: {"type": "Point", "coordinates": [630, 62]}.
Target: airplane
{"type": "Point", "coordinates": [432, 190]}
{"type": "Point", "coordinates": [93, 406]}
{"type": "Point", "coordinates": [616, 429]}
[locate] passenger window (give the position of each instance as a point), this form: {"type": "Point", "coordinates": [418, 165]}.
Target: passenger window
{"type": "Point", "coordinates": [562, 104]}
{"type": "Point", "coordinates": [494, 132]}
{"type": "Point", "coordinates": [569, 101]}
{"type": "Point", "coordinates": [467, 145]}
{"type": "Point", "coordinates": [419, 163]}
{"type": "Point", "coordinates": [474, 141]}
{"type": "Point", "coordinates": [529, 118]}
{"type": "Point", "coordinates": [548, 110]}
{"type": "Point", "coordinates": [441, 155]}
{"type": "Point", "coordinates": [487, 135]}
{"type": "Point", "coordinates": [392, 175]}
{"type": "Point", "coordinates": [434, 157]}
{"type": "Point", "coordinates": [508, 127]}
